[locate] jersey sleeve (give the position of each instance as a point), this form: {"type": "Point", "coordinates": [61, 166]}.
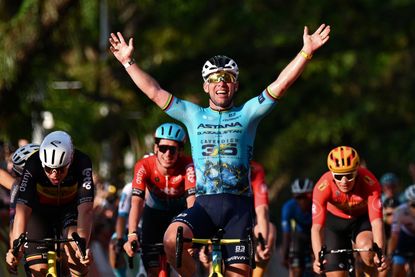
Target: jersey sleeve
{"type": "Point", "coordinates": [321, 194]}
{"type": "Point", "coordinates": [181, 110]}
{"type": "Point", "coordinates": [86, 189]}
{"type": "Point", "coordinates": [259, 186]}
{"type": "Point", "coordinates": [286, 217]}
{"type": "Point", "coordinates": [374, 202]}
{"type": "Point", "coordinates": [125, 201]}
{"type": "Point", "coordinates": [27, 187]}
{"type": "Point", "coordinates": [139, 180]}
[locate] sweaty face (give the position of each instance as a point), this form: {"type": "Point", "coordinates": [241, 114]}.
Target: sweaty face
{"type": "Point", "coordinates": [221, 87]}
{"type": "Point", "coordinates": [167, 152]}
{"type": "Point", "coordinates": [345, 181]}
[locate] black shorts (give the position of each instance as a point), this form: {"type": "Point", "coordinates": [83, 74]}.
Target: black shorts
{"type": "Point", "coordinates": [300, 250]}
{"type": "Point", "coordinates": [154, 225]}
{"type": "Point", "coordinates": [340, 233]}
{"type": "Point", "coordinates": [233, 213]}
{"type": "Point", "coordinates": [46, 222]}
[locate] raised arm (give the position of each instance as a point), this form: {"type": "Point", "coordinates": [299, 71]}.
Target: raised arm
{"type": "Point", "coordinates": [147, 84]}
{"type": "Point", "coordinates": [294, 69]}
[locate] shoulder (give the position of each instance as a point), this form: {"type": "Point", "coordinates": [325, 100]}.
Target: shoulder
{"type": "Point", "coordinates": [80, 156]}
{"type": "Point", "coordinates": [367, 177]}
{"type": "Point", "coordinates": [324, 183]}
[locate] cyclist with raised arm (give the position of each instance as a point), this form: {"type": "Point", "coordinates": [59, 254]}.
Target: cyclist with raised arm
{"type": "Point", "coordinates": [56, 191]}
{"type": "Point", "coordinates": [347, 209]}
{"type": "Point", "coordinates": [402, 241]}
{"type": "Point", "coordinates": [222, 138]}
{"type": "Point", "coordinates": [296, 225]}
{"type": "Point", "coordinates": [169, 178]}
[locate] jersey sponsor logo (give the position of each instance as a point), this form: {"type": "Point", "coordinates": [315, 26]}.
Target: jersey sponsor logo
{"type": "Point", "coordinates": [369, 180]}
{"type": "Point", "coordinates": [227, 149]}
{"type": "Point", "coordinates": [316, 209]}
{"type": "Point", "coordinates": [87, 182]}
{"type": "Point", "coordinates": [190, 173]}
{"type": "Point", "coordinates": [323, 185]}
{"type": "Point", "coordinates": [25, 179]}
{"type": "Point", "coordinates": [219, 126]}
{"type": "Point", "coordinates": [139, 175]}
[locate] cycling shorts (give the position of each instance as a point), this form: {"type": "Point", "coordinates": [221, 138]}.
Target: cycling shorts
{"type": "Point", "coordinates": [405, 248]}
{"type": "Point", "coordinates": [154, 225]}
{"type": "Point", "coordinates": [300, 250]}
{"type": "Point", "coordinates": [233, 213]}
{"type": "Point", "coordinates": [339, 234]}
{"type": "Point", "coordinates": [45, 222]}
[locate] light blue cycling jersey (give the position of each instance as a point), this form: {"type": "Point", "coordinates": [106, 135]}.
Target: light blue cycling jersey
{"type": "Point", "coordinates": [222, 142]}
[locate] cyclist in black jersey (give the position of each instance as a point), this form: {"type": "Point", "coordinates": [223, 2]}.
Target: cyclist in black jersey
{"type": "Point", "coordinates": [55, 195]}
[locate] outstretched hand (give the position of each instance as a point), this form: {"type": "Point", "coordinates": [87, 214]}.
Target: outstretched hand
{"type": "Point", "coordinates": [317, 39]}
{"type": "Point", "coordinates": [121, 50]}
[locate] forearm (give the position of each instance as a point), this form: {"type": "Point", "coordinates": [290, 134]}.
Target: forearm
{"type": "Point", "coordinates": [378, 233]}
{"type": "Point", "coordinates": [190, 200]}
{"type": "Point", "coordinates": [148, 85]}
{"type": "Point", "coordinates": [288, 76]}
{"type": "Point", "coordinates": [6, 180]}
{"type": "Point", "coordinates": [85, 221]}
{"type": "Point", "coordinates": [393, 243]}
{"type": "Point", "coordinates": [120, 227]}
{"type": "Point", "coordinates": [21, 218]}
{"type": "Point", "coordinates": [262, 215]}
{"type": "Point", "coordinates": [135, 213]}
{"type": "Point", "coordinates": [316, 238]}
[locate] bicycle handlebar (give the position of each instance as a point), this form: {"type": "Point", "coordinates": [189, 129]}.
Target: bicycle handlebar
{"type": "Point", "coordinates": [134, 247]}
{"type": "Point", "coordinates": [261, 241]}
{"type": "Point", "coordinates": [80, 242]}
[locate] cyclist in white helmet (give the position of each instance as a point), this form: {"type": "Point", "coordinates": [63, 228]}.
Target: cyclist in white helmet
{"type": "Point", "coordinates": [296, 225]}
{"type": "Point", "coordinates": [402, 241]}
{"type": "Point", "coordinates": [56, 191]}
{"type": "Point", "coordinates": [222, 138]}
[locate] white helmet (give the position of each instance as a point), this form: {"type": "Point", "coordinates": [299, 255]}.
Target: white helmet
{"type": "Point", "coordinates": [219, 63]}
{"type": "Point", "coordinates": [21, 155]}
{"type": "Point", "coordinates": [410, 193]}
{"type": "Point", "coordinates": [302, 186]}
{"type": "Point", "coordinates": [56, 150]}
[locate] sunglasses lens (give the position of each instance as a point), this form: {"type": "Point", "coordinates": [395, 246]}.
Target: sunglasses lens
{"type": "Point", "coordinates": [339, 177]}
{"type": "Point", "coordinates": [164, 148]}
{"type": "Point", "coordinates": [221, 76]}
{"type": "Point", "coordinates": [50, 170]}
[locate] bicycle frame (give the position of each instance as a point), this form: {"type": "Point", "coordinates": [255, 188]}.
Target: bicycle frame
{"type": "Point", "coordinates": [153, 249]}
{"type": "Point", "coordinates": [216, 242]}
{"type": "Point", "coordinates": [52, 255]}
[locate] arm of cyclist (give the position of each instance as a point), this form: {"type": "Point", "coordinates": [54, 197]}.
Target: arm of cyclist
{"type": "Point", "coordinates": [21, 218]}
{"type": "Point", "coordinates": [294, 69]}
{"type": "Point", "coordinates": [262, 226]}
{"type": "Point", "coordinates": [379, 238]}
{"type": "Point", "coordinates": [84, 229]}
{"type": "Point", "coordinates": [136, 209]}
{"type": "Point", "coordinates": [6, 180]}
{"type": "Point", "coordinates": [285, 247]}
{"type": "Point", "coordinates": [124, 54]}
{"type": "Point", "coordinates": [317, 243]}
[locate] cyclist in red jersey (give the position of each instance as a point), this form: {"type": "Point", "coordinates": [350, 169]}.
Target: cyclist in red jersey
{"type": "Point", "coordinates": [346, 202]}
{"type": "Point", "coordinates": [263, 225]}
{"type": "Point", "coordinates": [169, 178]}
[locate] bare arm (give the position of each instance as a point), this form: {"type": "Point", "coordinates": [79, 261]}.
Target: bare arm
{"type": "Point", "coordinates": [317, 243]}
{"type": "Point", "coordinates": [133, 220]}
{"type": "Point", "coordinates": [294, 69]}
{"type": "Point", "coordinates": [6, 180]}
{"type": "Point", "coordinates": [85, 219]}
{"type": "Point", "coordinates": [147, 84]}
{"type": "Point", "coordinates": [120, 226]}
{"type": "Point", "coordinates": [262, 216]}
{"type": "Point", "coordinates": [190, 200]}
{"type": "Point", "coordinates": [21, 218]}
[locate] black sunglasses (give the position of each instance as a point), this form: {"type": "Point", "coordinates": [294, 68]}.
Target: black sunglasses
{"type": "Point", "coordinates": [164, 148]}
{"type": "Point", "coordinates": [58, 170]}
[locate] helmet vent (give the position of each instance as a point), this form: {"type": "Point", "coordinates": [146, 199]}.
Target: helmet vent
{"type": "Point", "coordinates": [46, 157]}
{"type": "Point", "coordinates": [62, 156]}
{"type": "Point", "coordinates": [53, 156]}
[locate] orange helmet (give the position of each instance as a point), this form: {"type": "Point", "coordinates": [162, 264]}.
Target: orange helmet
{"type": "Point", "coordinates": [343, 159]}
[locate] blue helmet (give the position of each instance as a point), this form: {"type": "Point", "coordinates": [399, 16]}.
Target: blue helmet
{"type": "Point", "coordinates": [171, 131]}
{"type": "Point", "coordinates": [389, 179]}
